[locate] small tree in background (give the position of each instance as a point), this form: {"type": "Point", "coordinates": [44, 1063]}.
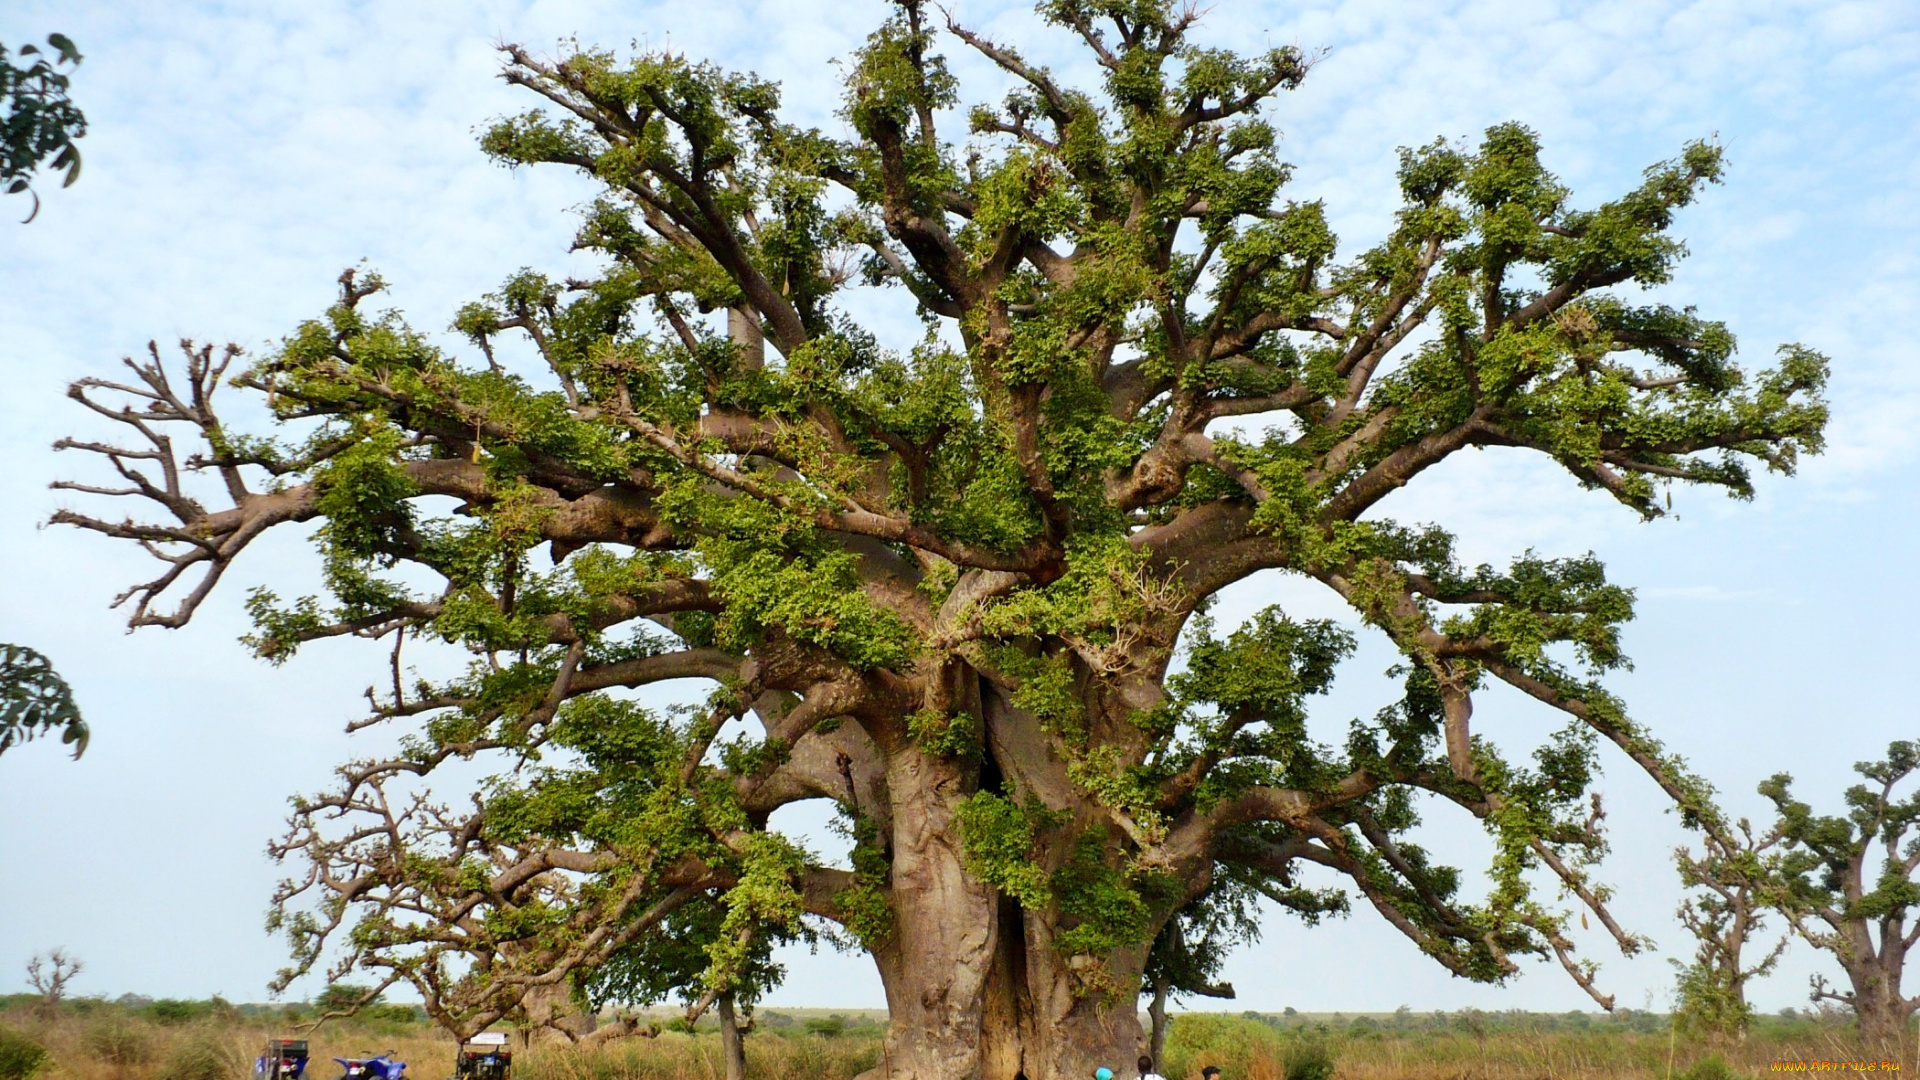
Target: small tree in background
{"type": "Point", "coordinates": [1734, 878]}
{"type": "Point", "coordinates": [1187, 956]}
{"type": "Point", "coordinates": [657, 967]}
{"type": "Point", "coordinates": [49, 973]}
{"type": "Point", "coordinates": [1847, 883]}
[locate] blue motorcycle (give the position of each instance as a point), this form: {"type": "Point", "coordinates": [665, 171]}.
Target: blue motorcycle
{"type": "Point", "coordinates": [379, 1067]}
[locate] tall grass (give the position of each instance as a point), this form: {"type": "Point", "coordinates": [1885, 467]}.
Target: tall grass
{"type": "Point", "coordinates": [679, 1056]}
{"type": "Point", "coordinates": [99, 1041]}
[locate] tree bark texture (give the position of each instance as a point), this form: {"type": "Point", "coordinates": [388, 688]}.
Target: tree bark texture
{"type": "Point", "coordinates": [732, 1040]}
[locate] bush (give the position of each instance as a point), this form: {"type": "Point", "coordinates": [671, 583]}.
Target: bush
{"type": "Point", "coordinates": [20, 1056]}
{"type": "Point", "coordinates": [175, 1011]}
{"type": "Point", "coordinates": [1712, 1067]}
{"type": "Point", "coordinates": [204, 1056]}
{"type": "Point", "coordinates": [1199, 1039]}
{"type": "Point", "coordinates": [1309, 1061]}
{"type": "Point", "coordinates": [118, 1041]}
{"type": "Point", "coordinates": [827, 1027]}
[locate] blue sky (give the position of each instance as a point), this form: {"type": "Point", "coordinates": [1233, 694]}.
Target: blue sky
{"type": "Point", "coordinates": [243, 154]}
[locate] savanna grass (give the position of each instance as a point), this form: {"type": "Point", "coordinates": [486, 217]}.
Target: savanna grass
{"type": "Point", "coordinates": [101, 1041]}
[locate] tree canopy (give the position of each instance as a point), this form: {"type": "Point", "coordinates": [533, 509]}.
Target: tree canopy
{"type": "Point", "coordinates": [38, 121]}
{"type": "Point", "coordinates": [955, 582]}
{"type": "Point", "coordinates": [35, 700]}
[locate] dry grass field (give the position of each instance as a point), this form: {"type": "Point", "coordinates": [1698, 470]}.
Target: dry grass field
{"type": "Point", "coordinates": [92, 1040]}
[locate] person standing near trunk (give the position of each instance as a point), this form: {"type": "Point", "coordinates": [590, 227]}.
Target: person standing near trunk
{"type": "Point", "coordinates": [1146, 1069]}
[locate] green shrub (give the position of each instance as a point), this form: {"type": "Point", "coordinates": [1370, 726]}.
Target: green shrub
{"type": "Point", "coordinates": [19, 1055]}
{"type": "Point", "coordinates": [827, 1027]}
{"type": "Point", "coordinates": [118, 1041]}
{"type": "Point", "coordinates": [1712, 1067]}
{"type": "Point", "coordinates": [1198, 1039]}
{"type": "Point", "coordinates": [1309, 1060]}
{"type": "Point", "coordinates": [203, 1056]}
{"type": "Point", "coordinates": [175, 1011]}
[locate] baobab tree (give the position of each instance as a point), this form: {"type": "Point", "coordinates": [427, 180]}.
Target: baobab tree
{"type": "Point", "coordinates": [49, 973]}
{"type": "Point", "coordinates": [1847, 884]}
{"type": "Point", "coordinates": [942, 582]}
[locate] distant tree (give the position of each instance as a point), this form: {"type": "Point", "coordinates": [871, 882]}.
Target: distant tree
{"type": "Point", "coordinates": [946, 578]}
{"type": "Point", "coordinates": [35, 700]}
{"type": "Point", "coordinates": [1186, 957]}
{"type": "Point", "coordinates": [1734, 882]}
{"type": "Point", "coordinates": [1847, 883]}
{"type": "Point", "coordinates": [38, 121]}
{"type": "Point", "coordinates": [342, 998]}
{"type": "Point", "coordinates": [1193, 946]}
{"type": "Point", "coordinates": [49, 973]}
{"type": "Point", "coordinates": [659, 966]}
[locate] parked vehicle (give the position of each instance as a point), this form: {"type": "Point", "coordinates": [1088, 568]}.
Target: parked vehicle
{"type": "Point", "coordinates": [285, 1059]}
{"type": "Point", "coordinates": [484, 1057]}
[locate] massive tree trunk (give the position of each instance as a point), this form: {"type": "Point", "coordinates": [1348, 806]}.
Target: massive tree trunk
{"type": "Point", "coordinates": [1042, 1021]}
{"type": "Point", "coordinates": [977, 988]}
{"type": "Point", "coordinates": [1883, 1014]}
{"type": "Point", "coordinates": [936, 961]}
{"type": "Point", "coordinates": [1015, 1009]}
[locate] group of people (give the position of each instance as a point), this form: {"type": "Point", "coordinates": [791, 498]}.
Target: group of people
{"type": "Point", "coordinates": [1211, 1072]}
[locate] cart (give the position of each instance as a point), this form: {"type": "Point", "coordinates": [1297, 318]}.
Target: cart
{"type": "Point", "coordinates": [484, 1057]}
{"type": "Point", "coordinates": [285, 1059]}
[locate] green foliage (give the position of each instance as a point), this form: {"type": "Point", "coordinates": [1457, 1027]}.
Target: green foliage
{"type": "Point", "coordinates": [1826, 849]}
{"type": "Point", "coordinates": [827, 1027]}
{"type": "Point", "coordinates": [866, 913]}
{"type": "Point", "coordinates": [177, 1011]}
{"type": "Point", "coordinates": [342, 997]}
{"type": "Point", "coordinates": [999, 838]}
{"type": "Point", "coordinates": [34, 700]}
{"type": "Point", "coordinates": [1232, 1043]}
{"type": "Point", "coordinates": [1708, 1004]}
{"type": "Point", "coordinates": [20, 1056]}
{"type": "Point", "coordinates": [38, 121]}
{"type": "Point", "coordinates": [815, 600]}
